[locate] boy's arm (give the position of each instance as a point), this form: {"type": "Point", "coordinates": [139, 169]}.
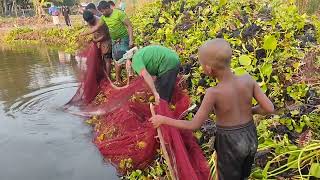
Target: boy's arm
{"type": "Point", "coordinates": [148, 79]}
{"type": "Point", "coordinates": [264, 106]}
{"type": "Point", "coordinates": [128, 24]}
{"type": "Point", "coordinates": [202, 114]}
{"type": "Point", "coordinates": [94, 28]}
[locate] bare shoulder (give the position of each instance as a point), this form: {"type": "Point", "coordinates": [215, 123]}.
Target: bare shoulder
{"type": "Point", "coordinates": [247, 79]}
{"type": "Point", "coordinates": [210, 97]}
{"type": "Point", "coordinates": [212, 91]}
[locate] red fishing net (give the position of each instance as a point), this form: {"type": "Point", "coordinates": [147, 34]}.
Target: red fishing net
{"type": "Point", "coordinates": [92, 72]}
{"type": "Point", "coordinates": [123, 133]}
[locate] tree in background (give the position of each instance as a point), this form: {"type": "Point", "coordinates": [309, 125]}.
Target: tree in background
{"type": "Point", "coordinates": [308, 6]}
{"type": "Point", "coordinates": [38, 7]}
{"type": "Point", "coordinates": [10, 7]}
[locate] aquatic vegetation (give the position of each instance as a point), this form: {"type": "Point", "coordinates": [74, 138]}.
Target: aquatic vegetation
{"type": "Point", "coordinates": [66, 38]}
{"type": "Point", "coordinates": [100, 98]}
{"type": "Point", "coordinates": [274, 44]}
{"type": "Point", "coordinates": [155, 171]}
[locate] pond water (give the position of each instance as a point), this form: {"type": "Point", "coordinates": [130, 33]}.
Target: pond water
{"type": "Point", "coordinates": [38, 141]}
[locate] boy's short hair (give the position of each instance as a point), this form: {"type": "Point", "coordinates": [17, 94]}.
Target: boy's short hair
{"type": "Point", "coordinates": [88, 16]}
{"type": "Point", "coordinates": [103, 5]}
{"type": "Point", "coordinates": [111, 3]}
{"type": "Point", "coordinates": [91, 6]}
{"type": "Point", "coordinates": [218, 51]}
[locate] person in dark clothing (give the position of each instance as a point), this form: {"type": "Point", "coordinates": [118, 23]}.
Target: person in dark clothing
{"type": "Point", "coordinates": [66, 12]}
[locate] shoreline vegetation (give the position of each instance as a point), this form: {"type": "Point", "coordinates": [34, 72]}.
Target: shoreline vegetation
{"type": "Point", "coordinates": [273, 42]}
{"type": "Point", "coordinates": [42, 31]}
{"type": "Point", "coordinates": [66, 39]}
{"type": "Point", "coordinates": [35, 29]}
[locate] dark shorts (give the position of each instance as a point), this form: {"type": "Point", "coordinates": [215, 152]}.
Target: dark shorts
{"type": "Point", "coordinates": [119, 48]}
{"type": "Point", "coordinates": [236, 148]}
{"type": "Point", "coordinates": [166, 82]}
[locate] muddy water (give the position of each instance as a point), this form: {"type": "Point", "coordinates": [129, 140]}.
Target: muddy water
{"type": "Point", "coordinates": [38, 141]}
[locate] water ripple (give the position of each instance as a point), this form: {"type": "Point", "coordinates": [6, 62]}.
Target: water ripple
{"type": "Point", "coordinates": [38, 100]}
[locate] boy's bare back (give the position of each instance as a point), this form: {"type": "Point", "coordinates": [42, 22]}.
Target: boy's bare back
{"type": "Point", "coordinates": [233, 101]}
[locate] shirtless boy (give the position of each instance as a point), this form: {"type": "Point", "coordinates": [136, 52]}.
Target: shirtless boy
{"type": "Point", "coordinates": [102, 37]}
{"type": "Point", "coordinates": [236, 138]}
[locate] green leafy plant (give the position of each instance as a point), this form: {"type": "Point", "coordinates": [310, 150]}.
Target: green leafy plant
{"type": "Point", "coordinates": [297, 91]}
{"type": "Point", "coordinates": [67, 38]}
{"type": "Point", "coordinates": [270, 40]}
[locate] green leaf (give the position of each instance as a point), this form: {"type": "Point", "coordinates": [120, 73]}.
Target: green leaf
{"type": "Point", "coordinates": [257, 174]}
{"type": "Point", "coordinates": [264, 88]}
{"type": "Point", "coordinates": [239, 71]}
{"type": "Point", "coordinates": [294, 112]}
{"type": "Point", "coordinates": [212, 84]}
{"type": "Point", "coordinates": [315, 170]}
{"type": "Point", "coordinates": [267, 144]}
{"type": "Point", "coordinates": [161, 20]}
{"type": "Point", "coordinates": [293, 157]}
{"type": "Point", "coordinates": [200, 90]}
{"type": "Point", "coordinates": [254, 102]}
{"type": "Point", "coordinates": [306, 120]}
{"type": "Point", "coordinates": [270, 42]}
{"type": "Point", "coordinates": [296, 65]}
{"type": "Point", "coordinates": [266, 69]}
{"type": "Point", "coordinates": [299, 127]}
{"type": "Point", "coordinates": [222, 2]}
{"type": "Point", "coordinates": [244, 60]}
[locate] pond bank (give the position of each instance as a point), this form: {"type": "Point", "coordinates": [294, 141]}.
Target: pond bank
{"type": "Point", "coordinates": [15, 30]}
{"type": "Point", "coordinates": [64, 38]}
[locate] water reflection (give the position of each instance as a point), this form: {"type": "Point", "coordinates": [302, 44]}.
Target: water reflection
{"type": "Point", "coordinates": [26, 69]}
{"type": "Point", "coordinates": [64, 57]}
{"type": "Point", "coordinates": [39, 141]}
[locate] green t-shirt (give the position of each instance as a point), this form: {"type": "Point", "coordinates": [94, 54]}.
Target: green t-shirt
{"type": "Point", "coordinates": [115, 24]}
{"type": "Point", "coordinates": [157, 60]}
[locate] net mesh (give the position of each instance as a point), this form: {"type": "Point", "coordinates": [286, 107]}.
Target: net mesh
{"type": "Point", "coordinates": [91, 73]}
{"type": "Point", "coordinates": [122, 131]}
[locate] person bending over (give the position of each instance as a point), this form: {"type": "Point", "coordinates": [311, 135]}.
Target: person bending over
{"type": "Point", "coordinates": [161, 62]}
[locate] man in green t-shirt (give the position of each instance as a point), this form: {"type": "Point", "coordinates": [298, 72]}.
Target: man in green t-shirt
{"type": "Point", "coordinates": [161, 62]}
{"type": "Point", "coordinates": [120, 29]}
